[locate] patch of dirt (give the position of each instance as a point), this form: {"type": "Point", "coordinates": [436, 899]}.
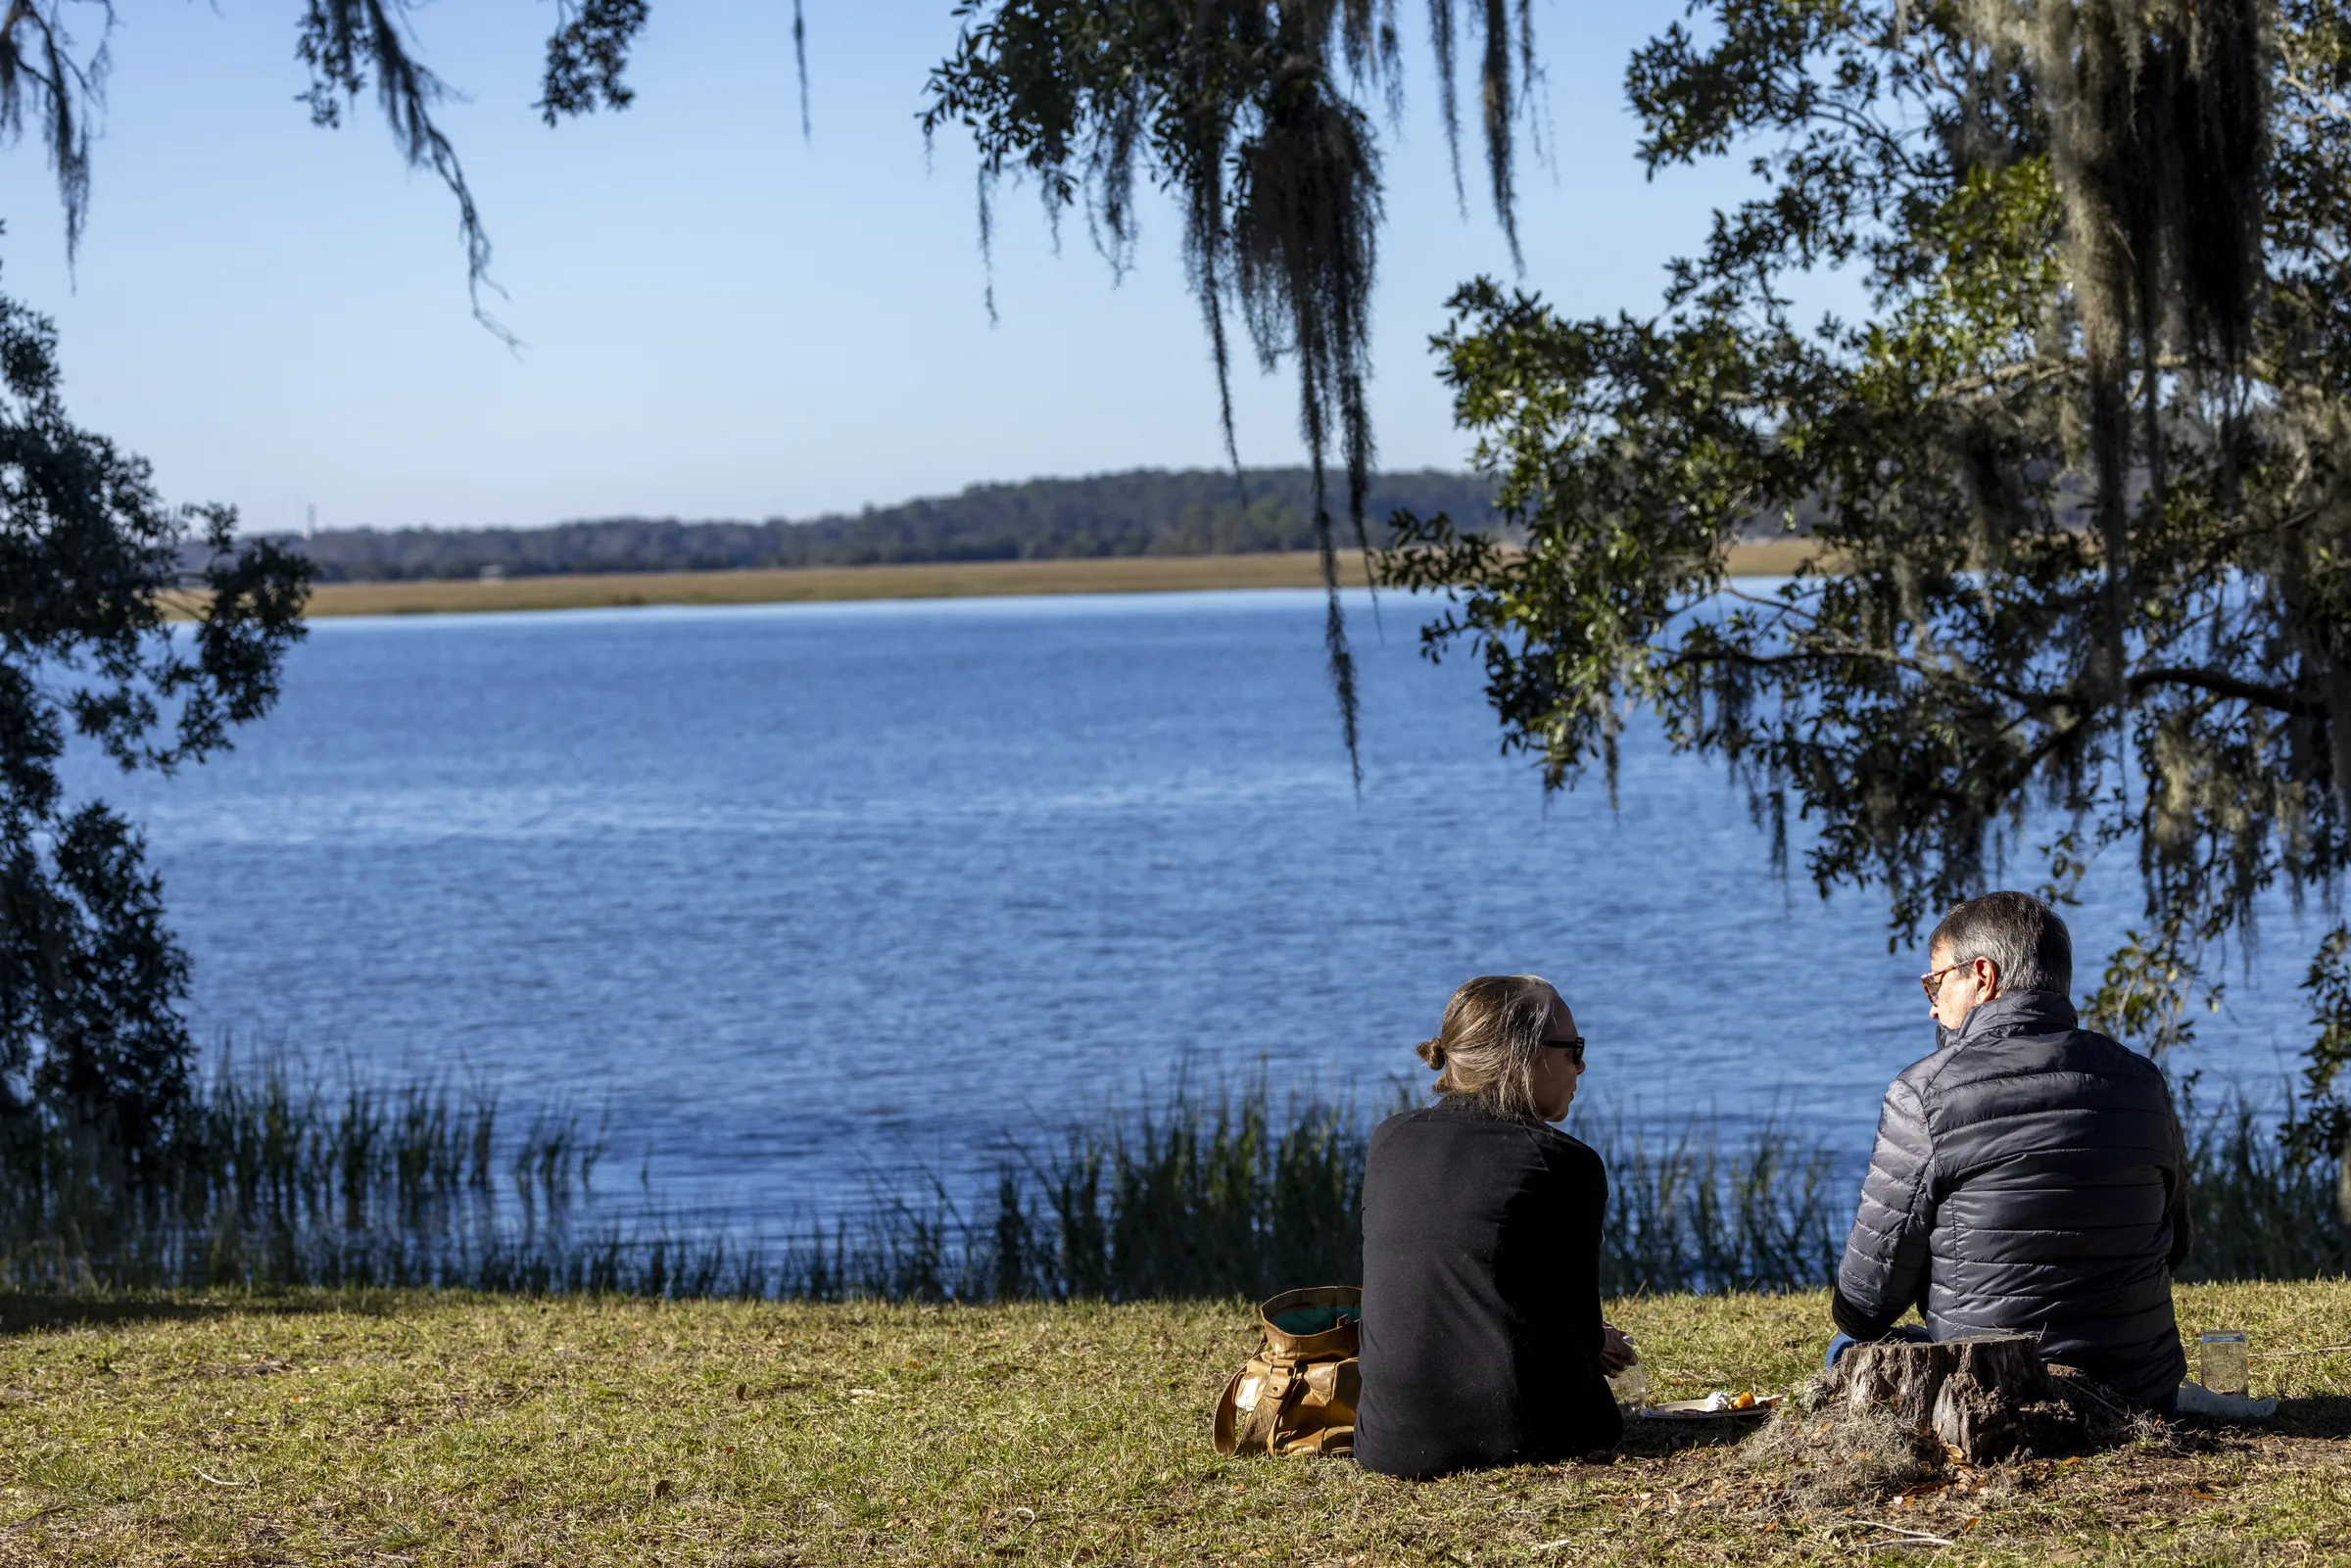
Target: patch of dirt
{"type": "Point", "coordinates": [1824, 1460]}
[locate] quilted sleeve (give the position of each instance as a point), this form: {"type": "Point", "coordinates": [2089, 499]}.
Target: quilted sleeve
{"type": "Point", "coordinates": [2176, 1208]}
{"type": "Point", "coordinates": [1885, 1269]}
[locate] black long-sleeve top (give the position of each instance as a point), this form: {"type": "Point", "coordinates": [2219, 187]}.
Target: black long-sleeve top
{"type": "Point", "coordinates": [1481, 1295]}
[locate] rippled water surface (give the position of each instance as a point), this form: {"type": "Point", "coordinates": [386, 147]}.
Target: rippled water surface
{"type": "Point", "coordinates": [811, 893]}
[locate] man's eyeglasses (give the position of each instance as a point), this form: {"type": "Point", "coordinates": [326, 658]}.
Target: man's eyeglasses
{"type": "Point", "coordinates": [1932, 984]}
{"type": "Point", "coordinates": [1573, 1045]}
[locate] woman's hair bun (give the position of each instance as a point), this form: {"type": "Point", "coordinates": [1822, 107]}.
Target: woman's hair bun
{"type": "Point", "coordinates": [1432, 1052]}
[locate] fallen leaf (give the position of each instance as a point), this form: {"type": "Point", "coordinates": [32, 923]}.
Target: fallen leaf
{"type": "Point", "coordinates": [743, 1391]}
{"type": "Point", "coordinates": [661, 1489]}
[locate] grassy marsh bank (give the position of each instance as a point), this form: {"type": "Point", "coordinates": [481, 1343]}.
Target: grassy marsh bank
{"type": "Point", "coordinates": [1120, 573]}
{"type": "Point", "coordinates": [270, 1178]}
{"type": "Point", "coordinates": [1114, 574]}
{"type": "Point", "coordinates": [441, 1429]}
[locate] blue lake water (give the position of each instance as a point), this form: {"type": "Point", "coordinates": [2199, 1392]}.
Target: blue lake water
{"type": "Point", "coordinates": [808, 895]}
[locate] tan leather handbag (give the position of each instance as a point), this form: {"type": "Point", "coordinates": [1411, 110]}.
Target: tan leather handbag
{"type": "Point", "coordinates": [1298, 1393]}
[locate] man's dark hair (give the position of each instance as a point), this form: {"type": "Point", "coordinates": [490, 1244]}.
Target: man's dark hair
{"type": "Point", "coordinates": [2018, 933]}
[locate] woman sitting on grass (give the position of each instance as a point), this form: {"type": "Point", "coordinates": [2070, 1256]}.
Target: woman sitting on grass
{"type": "Point", "coordinates": [1482, 1343]}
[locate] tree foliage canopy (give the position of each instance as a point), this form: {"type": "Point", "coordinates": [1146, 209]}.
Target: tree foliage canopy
{"type": "Point", "coordinates": [2080, 473]}
{"type": "Point", "coordinates": [90, 560]}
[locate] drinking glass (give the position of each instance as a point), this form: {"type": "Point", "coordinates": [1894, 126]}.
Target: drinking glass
{"type": "Point", "coordinates": [2225, 1370]}
{"type": "Point", "coordinates": [1631, 1387]}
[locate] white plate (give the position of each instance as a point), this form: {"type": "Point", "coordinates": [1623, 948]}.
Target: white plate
{"type": "Point", "coordinates": [1695, 1409]}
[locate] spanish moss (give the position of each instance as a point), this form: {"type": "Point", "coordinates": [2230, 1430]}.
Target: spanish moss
{"type": "Point", "coordinates": [799, 58]}
{"type": "Point", "coordinates": [2158, 132]}
{"type": "Point", "coordinates": [36, 63]}
{"type": "Point", "coordinates": [343, 41]}
{"type": "Point", "coordinates": [1250, 114]}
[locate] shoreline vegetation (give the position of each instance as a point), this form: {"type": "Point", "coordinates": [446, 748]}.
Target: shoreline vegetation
{"type": "Point", "coordinates": [930, 580]}
{"type": "Point", "coordinates": [272, 1178]}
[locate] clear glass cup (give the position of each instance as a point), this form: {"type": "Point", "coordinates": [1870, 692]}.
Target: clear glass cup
{"type": "Point", "coordinates": [2225, 1369]}
{"type": "Point", "coordinates": [1631, 1388]}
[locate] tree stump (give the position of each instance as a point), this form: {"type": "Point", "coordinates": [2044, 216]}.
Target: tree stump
{"type": "Point", "coordinates": [1969, 1393]}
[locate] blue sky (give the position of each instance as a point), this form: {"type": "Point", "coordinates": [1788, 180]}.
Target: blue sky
{"type": "Point", "coordinates": [720, 319]}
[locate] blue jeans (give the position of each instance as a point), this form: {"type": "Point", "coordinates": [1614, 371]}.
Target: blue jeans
{"type": "Point", "coordinates": [1842, 1342]}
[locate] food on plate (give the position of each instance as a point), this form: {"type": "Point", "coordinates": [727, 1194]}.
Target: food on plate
{"type": "Point", "coordinates": [1722, 1402]}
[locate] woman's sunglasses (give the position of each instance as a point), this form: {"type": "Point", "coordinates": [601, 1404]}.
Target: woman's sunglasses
{"type": "Point", "coordinates": [1573, 1045]}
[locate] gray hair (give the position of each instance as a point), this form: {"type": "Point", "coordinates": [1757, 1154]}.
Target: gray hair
{"type": "Point", "coordinates": [1491, 1042]}
{"type": "Point", "coordinates": [2021, 936]}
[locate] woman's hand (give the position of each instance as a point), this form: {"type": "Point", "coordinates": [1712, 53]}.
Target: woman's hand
{"type": "Point", "coordinates": [1615, 1349]}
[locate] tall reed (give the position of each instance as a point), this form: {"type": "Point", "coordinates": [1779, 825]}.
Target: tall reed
{"type": "Point", "coordinates": [268, 1180]}
{"type": "Point", "coordinates": [1234, 1197]}
{"type": "Point", "coordinates": [2257, 1214]}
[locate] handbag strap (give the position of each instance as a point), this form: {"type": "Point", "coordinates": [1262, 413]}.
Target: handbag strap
{"type": "Point", "coordinates": [1276, 1395]}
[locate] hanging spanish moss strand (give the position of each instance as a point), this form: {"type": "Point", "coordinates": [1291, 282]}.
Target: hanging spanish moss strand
{"type": "Point", "coordinates": [343, 41]}
{"type": "Point", "coordinates": [799, 56]}
{"type": "Point", "coordinates": [1304, 234]}
{"type": "Point", "coordinates": [1449, 108]}
{"type": "Point", "coordinates": [48, 72]}
{"type": "Point", "coordinates": [1494, 87]}
{"type": "Point", "coordinates": [1202, 244]}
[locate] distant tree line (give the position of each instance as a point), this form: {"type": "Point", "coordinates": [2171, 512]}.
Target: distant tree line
{"type": "Point", "coordinates": [1146, 512]}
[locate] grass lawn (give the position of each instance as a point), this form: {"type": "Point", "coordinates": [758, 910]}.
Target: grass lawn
{"type": "Point", "coordinates": [391, 1428]}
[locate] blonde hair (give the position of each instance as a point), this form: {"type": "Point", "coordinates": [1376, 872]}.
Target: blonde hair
{"type": "Point", "coordinates": [1491, 1042]}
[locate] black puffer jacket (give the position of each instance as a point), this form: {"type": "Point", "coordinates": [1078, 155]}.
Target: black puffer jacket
{"type": "Point", "coordinates": [2029, 1177]}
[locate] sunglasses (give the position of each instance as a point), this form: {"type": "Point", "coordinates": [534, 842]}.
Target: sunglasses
{"type": "Point", "coordinates": [1931, 983]}
{"type": "Point", "coordinates": [1573, 1045]}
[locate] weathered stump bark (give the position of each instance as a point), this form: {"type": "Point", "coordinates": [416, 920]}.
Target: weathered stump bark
{"type": "Point", "coordinates": [1970, 1392]}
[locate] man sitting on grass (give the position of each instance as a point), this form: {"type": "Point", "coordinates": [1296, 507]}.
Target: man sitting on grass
{"type": "Point", "coordinates": [2030, 1176]}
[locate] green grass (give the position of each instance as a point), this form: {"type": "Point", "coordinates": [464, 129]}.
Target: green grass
{"type": "Point", "coordinates": [370, 1428]}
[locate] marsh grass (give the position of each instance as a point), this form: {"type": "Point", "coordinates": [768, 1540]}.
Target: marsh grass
{"type": "Point", "coordinates": [1699, 1212]}
{"type": "Point", "coordinates": [272, 1179]}
{"type": "Point", "coordinates": [267, 1178]}
{"type": "Point", "coordinates": [2258, 1214]}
